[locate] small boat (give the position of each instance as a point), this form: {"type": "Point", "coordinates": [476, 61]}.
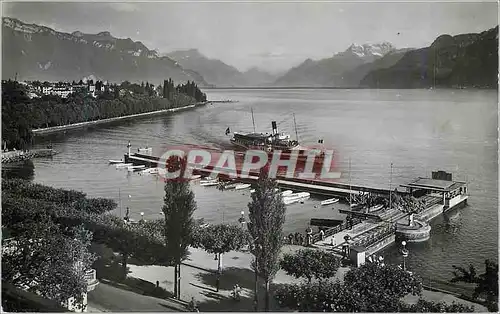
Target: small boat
{"type": "Point", "coordinates": [136, 168]}
{"type": "Point", "coordinates": [150, 171]}
{"type": "Point", "coordinates": [195, 177]}
{"type": "Point", "coordinates": [242, 186]}
{"type": "Point", "coordinates": [253, 191]}
{"type": "Point", "coordinates": [296, 197]}
{"type": "Point", "coordinates": [230, 186]}
{"type": "Point", "coordinates": [211, 182]}
{"type": "Point", "coordinates": [375, 208]}
{"type": "Point", "coordinates": [123, 166]}
{"type": "Point", "coordinates": [286, 193]}
{"type": "Point", "coordinates": [114, 161]}
{"type": "Point", "coordinates": [329, 201]}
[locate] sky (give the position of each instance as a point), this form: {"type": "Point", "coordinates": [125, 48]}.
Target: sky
{"type": "Point", "coordinates": [273, 36]}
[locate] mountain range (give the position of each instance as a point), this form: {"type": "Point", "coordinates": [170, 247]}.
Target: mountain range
{"type": "Point", "coordinates": [219, 73]}
{"type": "Point", "coordinates": [466, 60]}
{"type": "Point", "coordinates": [34, 52]}
{"type": "Point", "coordinates": [329, 71]}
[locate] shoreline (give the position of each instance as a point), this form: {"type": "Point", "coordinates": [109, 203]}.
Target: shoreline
{"type": "Point", "coordinates": [56, 129]}
{"type": "Point", "coordinates": [21, 155]}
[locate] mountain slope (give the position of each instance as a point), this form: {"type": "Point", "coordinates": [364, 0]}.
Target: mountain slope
{"type": "Point", "coordinates": [329, 71]}
{"type": "Point", "coordinates": [466, 60]}
{"type": "Point", "coordinates": [40, 53]}
{"type": "Point", "coordinates": [354, 77]}
{"type": "Point", "coordinates": [219, 73]}
{"type": "Point", "coordinates": [213, 70]}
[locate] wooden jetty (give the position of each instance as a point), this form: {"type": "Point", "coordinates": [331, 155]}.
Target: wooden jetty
{"type": "Point", "coordinates": [313, 186]}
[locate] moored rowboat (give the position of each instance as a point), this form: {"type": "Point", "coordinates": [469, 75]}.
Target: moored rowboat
{"type": "Point", "coordinates": [242, 186]}
{"type": "Point", "coordinates": [329, 201]}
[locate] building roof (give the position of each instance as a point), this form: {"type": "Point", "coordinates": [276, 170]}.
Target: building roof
{"type": "Point", "coordinates": [434, 184]}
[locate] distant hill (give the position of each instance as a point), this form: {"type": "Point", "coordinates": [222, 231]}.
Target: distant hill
{"type": "Point", "coordinates": [37, 52]}
{"type": "Point", "coordinates": [219, 73]}
{"type": "Point", "coordinates": [329, 71]}
{"type": "Point", "coordinates": [466, 60]}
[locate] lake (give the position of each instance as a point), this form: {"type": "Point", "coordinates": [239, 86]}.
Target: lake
{"type": "Point", "coordinates": [419, 131]}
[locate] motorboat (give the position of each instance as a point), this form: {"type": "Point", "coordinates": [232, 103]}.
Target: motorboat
{"type": "Point", "coordinates": [150, 171]}
{"type": "Point", "coordinates": [276, 190]}
{"type": "Point", "coordinates": [242, 186]}
{"type": "Point", "coordinates": [115, 161]}
{"type": "Point", "coordinates": [196, 177]}
{"type": "Point", "coordinates": [230, 186]}
{"type": "Point", "coordinates": [286, 193]}
{"type": "Point", "coordinates": [136, 168]}
{"type": "Point", "coordinates": [119, 166]}
{"type": "Point", "coordinates": [329, 201]}
{"type": "Point", "coordinates": [209, 182]}
{"type": "Point", "coordinates": [296, 197]}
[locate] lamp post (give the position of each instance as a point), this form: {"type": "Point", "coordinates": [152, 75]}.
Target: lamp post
{"type": "Point", "coordinates": [405, 253]}
{"type": "Point", "coordinates": [254, 247]}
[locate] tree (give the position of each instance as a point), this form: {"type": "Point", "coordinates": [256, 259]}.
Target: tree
{"type": "Point", "coordinates": [220, 239]}
{"type": "Point", "coordinates": [486, 283]}
{"type": "Point", "coordinates": [179, 206]}
{"type": "Point", "coordinates": [369, 288]}
{"type": "Point", "coordinates": [267, 216]}
{"type": "Point", "coordinates": [310, 263]}
{"type": "Point", "coordinates": [423, 306]}
{"type": "Point", "coordinates": [48, 259]}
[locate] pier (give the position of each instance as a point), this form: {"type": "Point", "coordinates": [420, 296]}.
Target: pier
{"type": "Point", "coordinates": [313, 186]}
{"type": "Point", "coordinates": [377, 230]}
{"type": "Point", "coordinates": [365, 231]}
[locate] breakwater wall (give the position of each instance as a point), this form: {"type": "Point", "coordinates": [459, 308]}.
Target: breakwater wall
{"type": "Point", "coordinates": [20, 155]}
{"type": "Point", "coordinates": [55, 129]}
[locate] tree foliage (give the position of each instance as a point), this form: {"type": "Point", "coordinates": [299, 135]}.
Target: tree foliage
{"type": "Point", "coordinates": [267, 216]}
{"type": "Point", "coordinates": [48, 259]}
{"type": "Point", "coordinates": [310, 263]}
{"type": "Point", "coordinates": [220, 239]}
{"type": "Point", "coordinates": [178, 209]}
{"type": "Point", "coordinates": [369, 288]}
{"type": "Point", "coordinates": [31, 212]}
{"type": "Point", "coordinates": [423, 306]}
{"type": "Point", "coordinates": [486, 283]}
{"type": "Point", "coordinates": [20, 114]}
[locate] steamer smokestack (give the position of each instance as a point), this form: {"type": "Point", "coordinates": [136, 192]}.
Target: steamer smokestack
{"type": "Point", "coordinates": [275, 127]}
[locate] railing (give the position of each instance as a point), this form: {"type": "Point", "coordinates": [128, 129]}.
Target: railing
{"type": "Point", "coordinates": [331, 231]}
{"type": "Point", "coordinates": [376, 235]}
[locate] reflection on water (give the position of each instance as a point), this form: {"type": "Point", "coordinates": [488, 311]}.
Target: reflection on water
{"type": "Point", "coordinates": [24, 170]}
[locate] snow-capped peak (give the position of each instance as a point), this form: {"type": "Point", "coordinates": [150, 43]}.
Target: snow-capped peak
{"type": "Point", "coordinates": [370, 50]}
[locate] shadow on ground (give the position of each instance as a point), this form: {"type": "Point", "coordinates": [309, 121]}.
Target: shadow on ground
{"type": "Point", "coordinates": [223, 302]}
{"type": "Point", "coordinates": [244, 277]}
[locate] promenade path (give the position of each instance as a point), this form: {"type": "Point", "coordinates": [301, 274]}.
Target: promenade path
{"type": "Point", "coordinates": [106, 298]}
{"type": "Point", "coordinates": [198, 281]}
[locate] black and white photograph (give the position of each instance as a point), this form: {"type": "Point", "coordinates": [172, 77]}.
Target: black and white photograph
{"type": "Point", "coordinates": [249, 156]}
